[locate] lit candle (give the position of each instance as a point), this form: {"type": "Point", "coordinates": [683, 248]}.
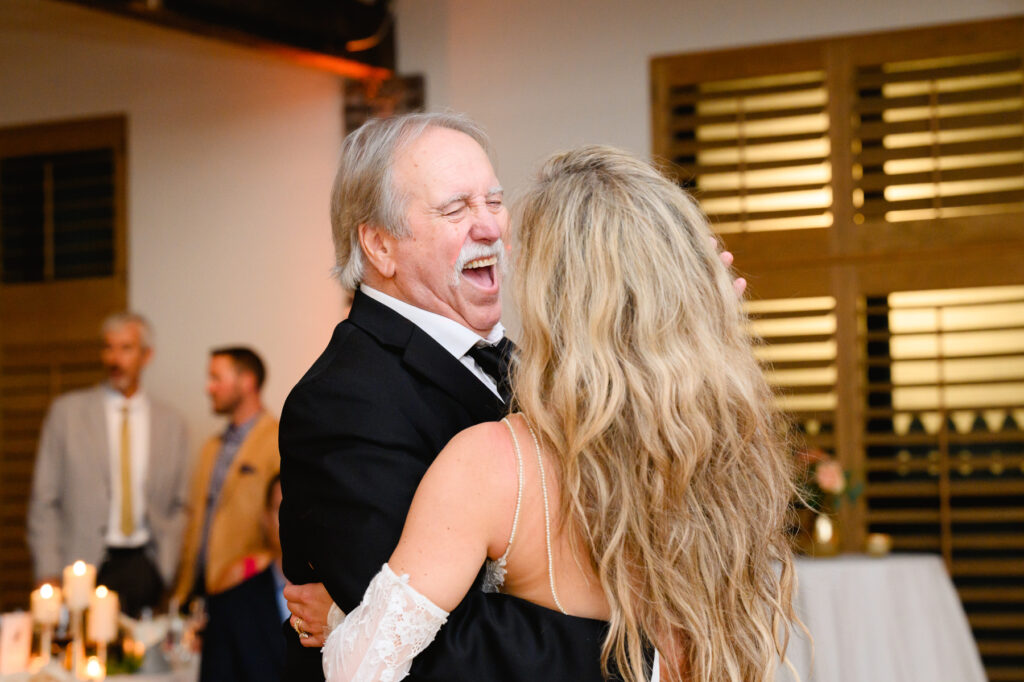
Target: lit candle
{"type": "Point", "coordinates": [101, 621]}
{"type": "Point", "coordinates": [823, 530]}
{"type": "Point", "coordinates": [79, 582]}
{"type": "Point", "coordinates": [878, 544]}
{"type": "Point", "coordinates": [94, 670]}
{"type": "Point", "coordinates": [46, 604]}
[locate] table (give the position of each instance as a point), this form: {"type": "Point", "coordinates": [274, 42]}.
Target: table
{"type": "Point", "coordinates": [190, 673]}
{"type": "Point", "coordinates": [187, 674]}
{"type": "Point", "coordinates": [891, 619]}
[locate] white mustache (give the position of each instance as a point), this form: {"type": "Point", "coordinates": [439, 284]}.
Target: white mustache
{"type": "Point", "coordinates": [474, 251]}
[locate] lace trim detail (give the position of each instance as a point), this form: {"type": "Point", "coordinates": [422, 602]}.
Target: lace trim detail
{"type": "Point", "coordinates": [494, 575]}
{"type": "Point", "coordinates": [334, 618]}
{"type": "Point", "coordinates": [379, 639]}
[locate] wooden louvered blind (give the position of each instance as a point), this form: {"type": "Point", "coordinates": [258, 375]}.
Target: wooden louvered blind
{"type": "Point", "coordinates": [898, 214]}
{"type": "Point", "coordinates": [30, 377]}
{"type": "Point", "coordinates": [755, 150]}
{"type": "Point", "coordinates": [939, 138]}
{"type": "Point", "coordinates": [62, 270]}
{"type": "Point", "coordinates": [945, 446]}
{"type": "Point", "coordinates": [799, 357]}
{"type": "Point", "coordinates": [57, 216]}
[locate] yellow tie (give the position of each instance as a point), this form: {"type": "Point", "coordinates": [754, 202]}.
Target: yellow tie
{"type": "Point", "coordinates": [127, 517]}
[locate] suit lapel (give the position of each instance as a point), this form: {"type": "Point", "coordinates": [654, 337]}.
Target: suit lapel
{"type": "Point", "coordinates": [240, 457]}
{"type": "Point", "coordinates": [155, 464]}
{"type": "Point", "coordinates": [205, 468]}
{"type": "Point", "coordinates": [96, 427]}
{"type": "Point", "coordinates": [426, 357]}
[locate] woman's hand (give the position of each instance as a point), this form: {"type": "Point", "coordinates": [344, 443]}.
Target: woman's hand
{"type": "Point", "coordinates": [309, 605]}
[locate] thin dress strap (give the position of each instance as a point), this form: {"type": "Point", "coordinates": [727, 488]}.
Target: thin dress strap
{"type": "Point", "coordinates": [547, 513]}
{"type": "Point", "coordinates": [519, 495]}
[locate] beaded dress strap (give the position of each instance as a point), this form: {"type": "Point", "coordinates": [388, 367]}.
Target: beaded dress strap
{"type": "Point", "coordinates": [519, 494]}
{"type": "Point", "coordinates": [547, 510]}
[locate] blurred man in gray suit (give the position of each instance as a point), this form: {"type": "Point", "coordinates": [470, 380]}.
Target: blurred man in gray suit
{"type": "Point", "coordinates": [111, 477]}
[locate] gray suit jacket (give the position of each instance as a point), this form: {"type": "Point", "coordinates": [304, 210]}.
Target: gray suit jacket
{"type": "Point", "coordinates": [70, 505]}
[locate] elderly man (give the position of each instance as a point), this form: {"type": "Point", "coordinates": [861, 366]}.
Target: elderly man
{"type": "Point", "coordinates": [418, 217]}
{"type": "Point", "coordinates": [111, 477]}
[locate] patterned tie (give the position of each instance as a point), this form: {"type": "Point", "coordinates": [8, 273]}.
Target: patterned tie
{"type": "Point", "coordinates": [127, 517]}
{"type": "Point", "coordinates": [494, 360]}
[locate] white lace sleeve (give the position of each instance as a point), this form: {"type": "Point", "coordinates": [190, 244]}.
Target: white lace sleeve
{"type": "Point", "coordinates": [379, 639]}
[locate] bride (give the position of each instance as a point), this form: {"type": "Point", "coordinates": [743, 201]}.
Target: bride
{"type": "Point", "coordinates": [643, 481]}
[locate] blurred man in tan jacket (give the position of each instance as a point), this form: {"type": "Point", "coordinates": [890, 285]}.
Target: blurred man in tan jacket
{"type": "Point", "coordinates": [231, 477]}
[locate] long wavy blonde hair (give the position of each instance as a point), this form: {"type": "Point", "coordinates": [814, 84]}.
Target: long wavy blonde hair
{"type": "Point", "coordinates": [637, 370]}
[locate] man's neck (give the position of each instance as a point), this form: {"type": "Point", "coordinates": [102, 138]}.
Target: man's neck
{"type": "Point", "coordinates": [246, 411]}
{"type": "Point", "coordinates": [128, 392]}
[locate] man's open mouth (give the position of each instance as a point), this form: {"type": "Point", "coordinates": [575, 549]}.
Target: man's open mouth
{"type": "Point", "coordinates": [481, 271]}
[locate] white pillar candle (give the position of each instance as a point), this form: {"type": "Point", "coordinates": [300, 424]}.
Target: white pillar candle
{"type": "Point", "coordinates": [101, 622]}
{"type": "Point", "coordinates": [46, 604]}
{"type": "Point", "coordinates": [79, 582]}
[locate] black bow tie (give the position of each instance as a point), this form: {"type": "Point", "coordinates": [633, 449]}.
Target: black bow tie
{"type": "Point", "coordinates": [494, 361]}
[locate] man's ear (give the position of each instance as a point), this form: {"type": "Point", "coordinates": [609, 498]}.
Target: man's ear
{"type": "Point", "coordinates": [379, 248]}
{"type": "Point", "coordinates": [248, 382]}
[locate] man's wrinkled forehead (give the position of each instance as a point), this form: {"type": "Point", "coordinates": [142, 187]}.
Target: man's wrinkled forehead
{"type": "Point", "coordinates": [442, 166]}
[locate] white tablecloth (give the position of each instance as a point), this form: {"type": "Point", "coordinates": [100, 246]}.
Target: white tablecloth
{"type": "Point", "coordinates": [186, 675]}
{"type": "Point", "coordinates": [893, 619]}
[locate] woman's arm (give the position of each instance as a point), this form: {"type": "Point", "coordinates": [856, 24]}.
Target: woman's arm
{"type": "Point", "coordinates": [461, 513]}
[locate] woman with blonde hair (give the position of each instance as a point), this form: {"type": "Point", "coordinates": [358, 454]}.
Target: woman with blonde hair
{"type": "Point", "coordinates": [643, 481]}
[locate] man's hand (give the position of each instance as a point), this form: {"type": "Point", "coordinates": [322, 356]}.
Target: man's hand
{"type": "Point", "coordinates": [309, 605]}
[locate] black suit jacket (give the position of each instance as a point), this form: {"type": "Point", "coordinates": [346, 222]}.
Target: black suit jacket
{"type": "Point", "coordinates": [242, 640]}
{"type": "Point", "coordinates": [357, 434]}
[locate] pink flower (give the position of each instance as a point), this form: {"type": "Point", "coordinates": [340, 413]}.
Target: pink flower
{"type": "Point", "coordinates": [830, 478]}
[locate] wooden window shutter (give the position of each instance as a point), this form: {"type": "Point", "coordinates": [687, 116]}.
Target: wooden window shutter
{"type": "Point", "coordinates": [798, 352]}
{"type": "Point", "coordinates": [57, 214]}
{"type": "Point", "coordinates": [939, 137]}
{"type": "Point", "coordinates": [62, 270]}
{"type": "Point", "coordinates": [755, 151]}
{"type": "Point", "coordinates": [945, 447]}
{"type": "Point", "coordinates": [909, 240]}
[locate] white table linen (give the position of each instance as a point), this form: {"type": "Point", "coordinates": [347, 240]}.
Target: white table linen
{"type": "Point", "coordinates": [891, 619]}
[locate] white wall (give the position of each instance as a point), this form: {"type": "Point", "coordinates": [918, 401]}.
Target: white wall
{"type": "Point", "coordinates": [231, 154]}
{"type": "Point", "coordinates": [544, 75]}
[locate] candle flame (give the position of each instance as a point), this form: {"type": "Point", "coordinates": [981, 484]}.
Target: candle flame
{"type": "Point", "coordinates": [78, 568]}
{"type": "Point", "coordinates": [92, 667]}
{"type": "Point", "coordinates": [101, 592]}
{"type": "Point", "coordinates": [823, 529]}
{"type": "Point", "coordinates": [46, 591]}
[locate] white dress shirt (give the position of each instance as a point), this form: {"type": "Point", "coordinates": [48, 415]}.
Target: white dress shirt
{"type": "Point", "coordinates": [138, 423]}
{"type": "Point", "coordinates": [451, 335]}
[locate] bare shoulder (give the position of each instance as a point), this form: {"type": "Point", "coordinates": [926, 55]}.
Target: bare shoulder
{"type": "Point", "coordinates": [478, 468]}
{"type": "Point", "coordinates": [482, 452]}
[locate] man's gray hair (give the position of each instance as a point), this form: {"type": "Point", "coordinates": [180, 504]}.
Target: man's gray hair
{"type": "Point", "coordinates": [118, 320]}
{"type": "Point", "coordinates": [364, 189]}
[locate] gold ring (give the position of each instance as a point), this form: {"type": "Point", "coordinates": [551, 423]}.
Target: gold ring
{"type": "Point", "coordinates": [297, 626]}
